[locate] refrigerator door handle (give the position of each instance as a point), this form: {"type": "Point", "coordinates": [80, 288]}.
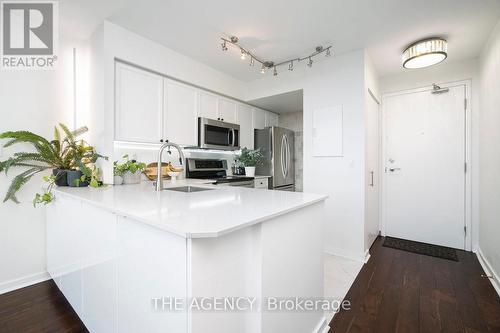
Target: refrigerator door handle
{"type": "Point", "coordinates": [288, 159]}
{"type": "Point", "coordinates": [286, 155]}
{"type": "Point", "coordinates": [283, 172]}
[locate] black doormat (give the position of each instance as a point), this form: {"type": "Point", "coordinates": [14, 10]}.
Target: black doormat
{"type": "Point", "coordinates": [421, 248]}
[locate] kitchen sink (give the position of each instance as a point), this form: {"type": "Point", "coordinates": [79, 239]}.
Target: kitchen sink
{"type": "Point", "coordinates": [188, 189]}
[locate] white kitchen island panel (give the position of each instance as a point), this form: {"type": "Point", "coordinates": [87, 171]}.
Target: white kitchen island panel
{"type": "Point", "coordinates": [116, 268]}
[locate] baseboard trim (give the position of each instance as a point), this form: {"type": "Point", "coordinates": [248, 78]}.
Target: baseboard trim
{"type": "Point", "coordinates": [322, 326]}
{"type": "Point", "coordinates": [24, 281]}
{"type": "Point", "coordinates": [367, 256]}
{"type": "Point", "coordinates": [488, 269]}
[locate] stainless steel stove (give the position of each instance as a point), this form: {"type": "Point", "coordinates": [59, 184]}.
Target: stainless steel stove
{"type": "Point", "coordinates": [216, 170]}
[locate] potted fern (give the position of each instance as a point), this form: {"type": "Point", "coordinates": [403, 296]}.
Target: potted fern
{"type": "Point", "coordinates": [62, 154]}
{"type": "Point", "coordinates": [250, 159]}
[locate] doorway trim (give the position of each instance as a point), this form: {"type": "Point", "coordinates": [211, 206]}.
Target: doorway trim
{"type": "Point", "coordinates": [469, 227]}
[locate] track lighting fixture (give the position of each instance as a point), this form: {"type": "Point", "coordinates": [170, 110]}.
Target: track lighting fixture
{"type": "Point", "coordinates": [265, 64]}
{"type": "Point", "coordinates": [310, 63]}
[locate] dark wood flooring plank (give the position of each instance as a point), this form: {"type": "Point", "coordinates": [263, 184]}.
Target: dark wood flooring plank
{"type": "Point", "coordinates": [397, 291]}
{"type": "Point", "coordinates": [40, 308]}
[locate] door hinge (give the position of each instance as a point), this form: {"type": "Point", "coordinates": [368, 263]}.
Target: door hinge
{"type": "Point", "coordinates": [465, 103]}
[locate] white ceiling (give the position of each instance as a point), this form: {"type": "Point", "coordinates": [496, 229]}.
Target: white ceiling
{"type": "Point", "coordinates": [282, 103]}
{"type": "Point", "coordinates": [280, 29]}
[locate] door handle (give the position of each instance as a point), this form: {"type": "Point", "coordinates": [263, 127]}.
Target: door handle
{"type": "Point", "coordinates": [283, 156]}
{"type": "Point", "coordinates": [371, 184]}
{"type": "Point", "coordinates": [394, 169]}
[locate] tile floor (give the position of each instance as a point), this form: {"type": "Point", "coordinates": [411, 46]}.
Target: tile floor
{"type": "Point", "coordinates": [340, 274]}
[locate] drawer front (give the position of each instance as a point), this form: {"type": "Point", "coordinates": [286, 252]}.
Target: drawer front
{"type": "Point", "coordinates": [261, 183]}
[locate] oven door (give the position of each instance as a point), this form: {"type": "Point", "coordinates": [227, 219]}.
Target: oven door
{"type": "Point", "coordinates": [213, 134]}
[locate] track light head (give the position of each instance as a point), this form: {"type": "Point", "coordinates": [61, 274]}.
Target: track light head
{"type": "Point", "coordinates": [290, 66]}
{"type": "Point", "coordinates": [310, 63]}
{"type": "Point", "coordinates": [224, 46]}
{"type": "Point", "coordinates": [252, 62]}
{"type": "Point", "coordinates": [328, 52]}
{"type": "Point", "coordinates": [243, 54]}
{"type": "Point", "coordinates": [275, 72]}
{"type": "Point", "coordinates": [263, 69]}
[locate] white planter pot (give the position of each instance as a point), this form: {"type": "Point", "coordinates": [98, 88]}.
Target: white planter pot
{"type": "Point", "coordinates": [250, 171]}
{"type": "Point", "coordinates": [117, 180]}
{"type": "Point", "coordinates": [132, 178]}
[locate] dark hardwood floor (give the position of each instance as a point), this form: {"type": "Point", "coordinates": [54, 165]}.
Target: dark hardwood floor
{"type": "Point", "coordinates": [36, 309]}
{"type": "Point", "coordinates": [398, 291]}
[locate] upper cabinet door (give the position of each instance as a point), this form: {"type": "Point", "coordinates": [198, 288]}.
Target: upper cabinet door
{"type": "Point", "coordinates": [246, 126]}
{"type": "Point", "coordinates": [179, 119]}
{"type": "Point", "coordinates": [208, 106]}
{"type": "Point", "coordinates": [227, 110]}
{"type": "Point", "coordinates": [139, 105]}
{"type": "Point", "coordinates": [259, 119]}
{"type": "Point", "coordinates": [271, 119]}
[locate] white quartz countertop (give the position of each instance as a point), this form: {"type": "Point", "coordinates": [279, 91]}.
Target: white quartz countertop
{"type": "Point", "coordinates": [193, 215]}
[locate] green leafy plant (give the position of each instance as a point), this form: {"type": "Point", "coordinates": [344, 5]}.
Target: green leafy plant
{"type": "Point", "coordinates": [250, 157]}
{"type": "Point", "coordinates": [64, 152]}
{"type": "Point", "coordinates": [129, 165]}
{"type": "Point", "coordinates": [90, 175]}
{"type": "Point", "coordinates": [47, 196]}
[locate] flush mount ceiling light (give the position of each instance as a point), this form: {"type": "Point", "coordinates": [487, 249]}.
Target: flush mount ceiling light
{"type": "Point", "coordinates": [425, 53]}
{"type": "Point", "coordinates": [266, 64]}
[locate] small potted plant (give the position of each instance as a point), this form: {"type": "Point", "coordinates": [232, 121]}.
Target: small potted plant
{"type": "Point", "coordinates": [117, 174]}
{"type": "Point", "coordinates": [130, 171]}
{"type": "Point", "coordinates": [250, 159]}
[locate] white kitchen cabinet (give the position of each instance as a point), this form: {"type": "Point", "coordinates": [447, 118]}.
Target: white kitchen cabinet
{"type": "Point", "coordinates": [271, 119]}
{"type": "Point", "coordinates": [259, 118]}
{"type": "Point", "coordinates": [227, 110]}
{"type": "Point", "coordinates": [261, 183]}
{"type": "Point", "coordinates": [139, 105]}
{"type": "Point", "coordinates": [246, 126]}
{"type": "Point", "coordinates": [208, 106]}
{"type": "Point", "coordinates": [180, 115]}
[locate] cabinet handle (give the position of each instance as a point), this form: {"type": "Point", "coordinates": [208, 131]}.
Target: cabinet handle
{"type": "Point", "coordinates": [222, 119]}
{"type": "Point", "coordinates": [161, 140]}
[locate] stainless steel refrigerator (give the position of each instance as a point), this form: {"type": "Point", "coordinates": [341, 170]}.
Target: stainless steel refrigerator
{"type": "Point", "coordinates": [277, 146]}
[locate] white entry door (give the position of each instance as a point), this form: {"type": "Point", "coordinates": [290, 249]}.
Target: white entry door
{"type": "Point", "coordinates": [425, 141]}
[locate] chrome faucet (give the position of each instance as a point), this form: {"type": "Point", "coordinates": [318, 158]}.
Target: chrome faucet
{"type": "Point", "coordinates": [159, 178]}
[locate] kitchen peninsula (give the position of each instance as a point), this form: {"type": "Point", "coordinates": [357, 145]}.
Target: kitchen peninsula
{"type": "Point", "coordinates": [115, 252]}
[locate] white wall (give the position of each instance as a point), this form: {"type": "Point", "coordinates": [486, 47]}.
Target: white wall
{"type": "Point", "coordinates": [331, 82]}
{"type": "Point", "coordinates": [489, 226]}
{"type": "Point", "coordinates": [35, 101]}
{"type": "Point", "coordinates": [446, 73]}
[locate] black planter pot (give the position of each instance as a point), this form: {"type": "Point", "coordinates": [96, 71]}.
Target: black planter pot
{"type": "Point", "coordinates": [74, 175]}
{"type": "Point", "coordinates": [61, 177]}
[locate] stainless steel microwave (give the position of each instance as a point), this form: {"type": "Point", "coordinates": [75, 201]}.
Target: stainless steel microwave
{"type": "Point", "coordinates": [214, 134]}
